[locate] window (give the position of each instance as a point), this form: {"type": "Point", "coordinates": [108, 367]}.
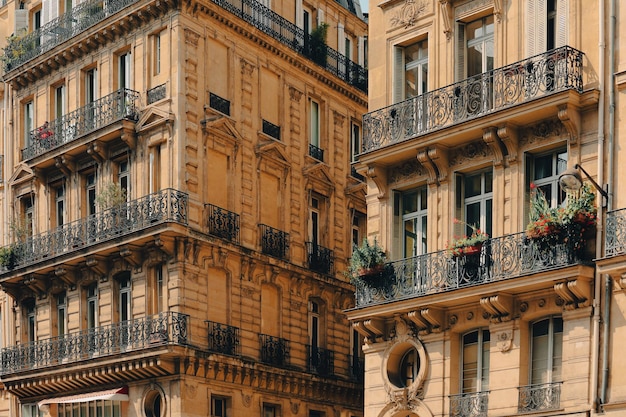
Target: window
{"type": "Point", "coordinates": [157, 54]}
{"type": "Point", "coordinates": [475, 360]}
{"type": "Point", "coordinates": [61, 301]}
{"type": "Point", "coordinates": [92, 306]}
{"type": "Point", "coordinates": [544, 170]}
{"type": "Point", "coordinates": [123, 71]}
{"type": "Point", "coordinates": [315, 413]}
{"type": "Point", "coordinates": [28, 208]}
{"type": "Point", "coordinates": [153, 404]}
{"type": "Point", "coordinates": [411, 70]}
{"type": "Point", "coordinates": [358, 228]}
{"type": "Point", "coordinates": [546, 25]}
{"type": "Point", "coordinates": [30, 321]}
{"type": "Point", "coordinates": [314, 137]}
{"type": "Point", "coordinates": [355, 142]}
{"type": "Point", "coordinates": [159, 289]}
{"type": "Point", "coordinates": [124, 301]}
{"type": "Point", "coordinates": [270, 410]}
{"type": "Point", "coordinates": [90, 193]}
{"type": "Point", "coordinates": [412, 210]}
{"type": "Point", "coordinates": [59, 102]}
{"type": "Point", "coordinates": [123, 175]}
{"type": "Point", "coordinates": [480, 47]}
{"type": "Point", "coordinates": [314, 324]}
{"type": "Point", "coordinates": [29, 121]}
{"type": "Point", "coordinates": [314, 221]}
{"type": "Point", "coordinates": [91, 85]}
{"type": "Point", "coordinates": [219, 406]}
{"type": "Point", "coordinates": [31, 410]}
{"type": "Point", "coordinates": [476, 191]}
{"type": "Point", "coordinates": [60, 204]}
{"type": "Point", "coordinates": [546, 351]}
{"type": "Point", "coordinates": [93, 408]}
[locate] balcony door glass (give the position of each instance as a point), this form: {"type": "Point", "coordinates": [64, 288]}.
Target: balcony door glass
{"type": "Point", "coordinates": [315, 123]}
{"type": "Point", "coordinates": [60, 205]}
{"type": "Point", "coordinates": [545, 171]}
{"type": "Point", "coordinates": [480, 46]}
{"type": "Point", "coordinates": [124, 71]}
{"type": "Point", "coordinates": [29, 121]}
{"type": "Point", "coordinates": [124, 307]}
{"type": "Point", "coordinates": [314, 325]}
{"type": "Point", "coordinates": [414, 219]}
{"type": "Point", "coordinates": [61, 314]}
{"type": "Point", "coordinates": [92, 306]}
{"type": "Point", "coordinates": [546, 351]}
{"type": "Point", "coordinates": [59, 102]}
{"type": "Point", "coordinates": [478, 197]}
{"type": "Point", "coordinates": [475, 361]}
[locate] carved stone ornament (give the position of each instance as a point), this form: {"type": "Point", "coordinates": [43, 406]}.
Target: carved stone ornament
{"type": "Point", "coordinates": [403, 400]}
{"type": "Point", "coordinates": [406, 171]}
{"type": "Point", "coordinates": [408, 14]}
{"type": "Point", "coordinates": [246, 399]}
{"type": "Point", "coordinates": [295, 407]}
{"type": "Point", "coordinates": [504, 340]}
{"type": "Point", "coordinates": [470, 152]}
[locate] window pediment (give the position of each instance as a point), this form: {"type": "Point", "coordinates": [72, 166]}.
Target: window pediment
{"type": "Point", "coordinates": [318, 178]}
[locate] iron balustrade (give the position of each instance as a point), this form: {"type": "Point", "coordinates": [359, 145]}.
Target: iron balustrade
{"type": "Point", "coordinates": [548, 73]}
{"type": "Point", "coordinates": [223, 223]}
{"type": "Point", "coordinates": [539, 397]}
{"type": "Point", "coordinates": [500, 258]}
{"type": "Point", "coordinates": [615, 237]}
{"type": "Point", "coordinates": [469, 405]}
{"type": "Point", "coordinates": [220, 104]}
{"type": "Point", "coordinates": [316, 152]}
{"type": "Point", "coordinates": [320, 361]}
{"type": "Point", "coordinates": [274, 350]}
{"type": "Point", "coordinates": [290, 35]}
{"type": "Point", "coordinates": [357, 368]}
{"type": "Point", "coordinates": [156, 93]}
{"type": "Point", "coordinates": [274, 242]}
{"type": "Point", "coordinates": [164, 206]}
{"type": "Point", "coordinates": [21, 49]}
{"type": "Point", "coordinates": [320, 259]}
{"type": "Point", "coordinates": [271, 129]}
{"type": "Point", "coordinates": [161, 329]}
{"type": "Point", "coordinates": [119, 105]}
{"type": "Point", "coordinates": [223, 338]}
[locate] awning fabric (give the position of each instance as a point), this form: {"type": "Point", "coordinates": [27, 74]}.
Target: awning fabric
{"type": "Point", "coordinates": [118, 394]}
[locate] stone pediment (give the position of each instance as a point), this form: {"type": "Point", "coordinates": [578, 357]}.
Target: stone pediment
{"type": "Point", "coordinates": [222, 130]}
{"type": "Point", "coordinates": [153, 118]}
{"type": "Point", "coordinates": [22, 174]}
{"type": "Point", "coordinates": [319, 179]}
{"type": "Point", "coordinates": [273, 151]}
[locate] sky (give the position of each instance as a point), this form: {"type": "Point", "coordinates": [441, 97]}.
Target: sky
{"type": "Point", "coordinates": [365, 5]}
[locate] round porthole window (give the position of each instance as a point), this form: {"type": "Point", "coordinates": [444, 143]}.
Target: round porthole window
{"type": "Point", "coordinates": [405, 365]}
{"type": "Point", "coordinates": [153, 404]}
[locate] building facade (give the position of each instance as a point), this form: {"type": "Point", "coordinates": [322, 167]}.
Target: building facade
{"type": "Point", "coordinates": [491, 124]}
{"type": "Point", "coordinates": [178, 206]}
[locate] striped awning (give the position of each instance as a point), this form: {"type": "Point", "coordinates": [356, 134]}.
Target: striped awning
{"type": "Point", "coordinates": [118, 394]}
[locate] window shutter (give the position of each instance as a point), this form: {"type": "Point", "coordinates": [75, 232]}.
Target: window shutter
{"type": "Point", "coordinates": [320, 16]}
{"type": "Point", "coordinates": [460, 51]}
{"type": "Point", "coordinates": [528, 161]}
{"type": "Point", "coordinates": [299, 14]}
{"type": "Point", "coordinates": [540, 20]}
{"type": "Point", "coordinates": [361, 50]}
{"type": "Point", "coordinates": [459, 205]}
{"type": "Point", "coordinates": [561, 23]}
{"type": "Point", "coordinates": [21, 20]}
{"type": "Point", "coordinates": [530, 28]}
{"type": "Point", "coordinates": [398, 74]}
{"type": "Point", "coordinates": [341, 42]}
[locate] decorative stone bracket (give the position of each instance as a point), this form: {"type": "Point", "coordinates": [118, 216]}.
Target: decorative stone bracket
{"type": "Point", "coordinates": [498, 307]}
{"type": "Point", "coordinates": [372, 329]}
{"type": "Point", "coordinates": [427, 320]}
{"type": "Point", "coordinates": [575, 293]}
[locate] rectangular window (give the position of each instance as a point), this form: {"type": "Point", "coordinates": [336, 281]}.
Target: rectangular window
{"type": "Point", "coordinates": [160, 288]}
{"type": "Point", "coordinates": [123, 175]}
{"type": "Point", "coordinates": [314, 221]}
{"type": "Point", "coordinates": [270, 410]}
{"type": "Point", "coordinates": [30, 323]}
{"type": "Point", "coordinates": [475, 360]}
{"type": "Point", "coordinates": [92, 306]}
{"type": "Point", "coordinates": [28, 208]}
{"type": "Point", "coordinates": [29, 122]}
{"type": "Point", "coordinates": [476, 191]}
{"type": "Point", "coordinates": [59, 102]}
{"type": "Point", "coordinates": [219, 406]}
{"type": "Point", "coordinates": [546, 25]}
{"type": "Point", "coordinates": [91, 85]}
{"type": "Point", "coordinates": [314, 324]}
{"type": "Point", "coordinates": [358, 228]}
{"type": "Point", "coordinates": [315, 123]}
{"type": "Point", "coordinates": [411, 70]}
{"type": "Point", "coordinates": [546, 351]}
{"type": "Point", "coordinates": [90, 193]}
{"type": "Point", "coordinates": [125, 298]}
{"type": "Point", "coordinates": [123, 71]}
{"type": "Point", "coordinates": [31, 410]}
{"type": "Point", "coordinates": [355, 142]}
{"type": "Point", "coordinates": [61, 300]}
{"type": "Point", "coordinates": [157, 54]}
{"type": "Point", "coordinates": [60, 205]}
{"type": "Point", "coordinates": [544, 170]}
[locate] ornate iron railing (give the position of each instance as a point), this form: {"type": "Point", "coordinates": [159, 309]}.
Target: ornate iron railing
{"type": "Point", "coordinates": [320, 361]}
{"type": "Point", "coordinates": [554, 71]}
{"type": "Point", "coordinates": [161, 207]}
{"type": "Point", "coordinates": [220, 104]}
{"type": "Point", "coordinates": [320, 258]}
{"type": "Point", "coordinates": [223, 338]}
{"type": "Point", "coordinates": [156, 93]}
{"type": "Point", "coordinates": [274, 242]}
{"type": "Point", "coordinates": [469, 405]}
{"type": "Point", "coordinates": [161, 329]}
{"type": "Point", "coordinates": [316, 152]}
{"type": "Point", "coordinates": [274, 350]}
{"type": "Point", "coordinates": [80, 18]}
{"type": "Point", "coordinates": [357, 368]}
{"type": "Point", "coordinates": [500, 258]}
{"type": "Point", "coordinates": [539, 397]}
{"type": "Point", "coordinates": [119, 105]}
{"type": "Point", "coordinates": [615, 237]}
{"type": "Point", "coordinates": [223, 223]}
{"type": "Point", "coordinates": [271, 129]}
{"type": "Point", "coordinates": [287, 33]}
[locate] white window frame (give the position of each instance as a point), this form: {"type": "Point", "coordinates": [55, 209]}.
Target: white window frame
{"type": "Point", "coordinates": [551, 356]}
{"type": "Point", "coordinates": [484, 199]}
{"type": "Point", "coordinates": [91, 315]}
{"type": "Point", "coordinates": [61, 299]}
{"type": "Point", "coordinates": [482, 369]}
{"type": "Point", "coordinates": [556, 196]}
{"type": "Point", "coordinates": [59, 203]}
{"type": "Point", "coordinates": [29, 121]}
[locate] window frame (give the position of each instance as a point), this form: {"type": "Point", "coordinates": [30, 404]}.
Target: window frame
{"type": "Point", "coordinates": [402, 67]}
{"type": "Point", "coordinates": [550, 356]}
{"type": "Point", "coordinates": [481, 379]}
{"type": "Point", "coordinates": [484, 199]}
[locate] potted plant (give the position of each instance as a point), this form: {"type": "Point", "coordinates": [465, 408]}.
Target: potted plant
{"type": "Point", "coordinates": [368, 264]}
{"type": "Point", "coordinates": [579, 221]}
{"type": "Point", "coordinates": [318, 48]}
{"type": "Point", "coordinates": [544, 229]}
{"type": "Point", "coordinates": [468, 244]}
{"type": "Point", "coordinates": [8, 257]}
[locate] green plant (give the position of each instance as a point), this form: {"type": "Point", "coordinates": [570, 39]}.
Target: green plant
{"type": "Point", "coordinates": [318, 48]}
{"type": "Point", "coordinates": [467, 244]}
{"type": "Point", "coordinates": [8, 257]}
{"type": "Point", "coordinates": [17, 45]}
{"type": "Point", "coordinates": [111, 196]}
{"type": "Point", "coordinates": [366, 259]}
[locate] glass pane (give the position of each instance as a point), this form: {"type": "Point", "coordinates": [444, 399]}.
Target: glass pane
{"type": "Point", "coordinates": [472, 216]}
{"type": "Point", "coordinates": [409, 202]}
{"type": "Point", "coordinates": [410, 238]}
{"type": "Point", "coordinates": [473, 185]}
{"type": "Point", "coordinates": [543, 167]}
{"type": "Point", "coordinates": [423, 198]}
{"type": "Point", "coordinates": [424, 234]}
{"type": "Point", "coordinates": [474, 60]}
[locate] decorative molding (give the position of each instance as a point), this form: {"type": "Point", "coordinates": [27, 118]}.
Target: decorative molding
{"type": "Point", "coordinates": [409, 13]}
{"type": "Point", "coordinates": [541, 131]}
{"type": "Point", "coordinates": [294, 406]}
{"type": "Point", "coordinates": [508, 134]}
{"type": "Point", "coordinates": [471, 152]}
{"type": "Point", "coordinates": [504, 340]}
{"type": "Point", "coordinates": [295, 94]}
{"type": "Point", "coordinates": [372, 330]}
{"type": "Point", "coordinates": [574, 293]}
{"type": "Point", "coordinates": [439, 156]}
{"type": "Point", "coordinates": [246, 399]}
{"type": "Point", "coordinates": [247, 68]}
{"type": "Point", "coordinates": [490, 137]}
{"type": "Point", "coordinates": [446, 16]}
{"type": "Point", "coordinates": [571, 119]}
{"type": "Point", "coordinates": [406, 171]}
{"type": "Point", "coordinates": [191, 37]}
{"type": "Point", "coordinates": [499, 307]}
{"type": "Point", "coordinates": [338, 118]}
{"type": "Point", "coordinates": [427, 320]}
{"type": "Point", "coordinates": [379, 176]}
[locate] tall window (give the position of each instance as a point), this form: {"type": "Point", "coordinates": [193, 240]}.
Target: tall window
{"type": "Point", "coordinates": [315, 123]}
{"type": "Point", "coordinates": [159, 301]}
{"type": "Point", "coordinates": [59, 102]}
{"type": "Point", "coordinates": [30, 322]}
{"type": "Point", "coordinates": [123, 175]}
{"type": "Point", "coordinates": [61, 300]}
{"type": "Point", "coordinates": [29, 121]}
{"type": "Point", "coordinates": [475, 360]}
{"type": "Point", "coordinates": [544, 171]}
{"type": "Point", "coordinates": [90, 193]}
{"type": "Point", "coordinates": [92, 306]}
{"type": "Point", "coordinates": [270, 410]}
{"type": "Point", "coordinates": [477, 197]}
{"type": "Point", "coordinates": [157, 54]}
{"type": "Point", "coordinates": [414, 208]}
{"type": "Point", "coordinates": [124, 302]}
{"type": "Point", "coordinates": [358, 227]}
{"type": "Point", "coordinates": [546, 351]}
{"type": "Point", "coordinates": [123, 69]}
{"type": "Point", "coordinates": [411, 70]}
{"type": "Point", "coordinates": [475, 47]}
{"type": "Point", "coordinates": [355, 142]}
{"type": "Point", "coordinates": [91, 85]}
{"type": "Point", "coordinates": [60, 204]}
{"type": "Point", "coordinates": [219, 406]}
{"type": "Point", "coordinates": [546, 25]}
{"type": "Point", "coordinates": [314, 325]}
{"type": "Point", "coordinates": [314, 220]}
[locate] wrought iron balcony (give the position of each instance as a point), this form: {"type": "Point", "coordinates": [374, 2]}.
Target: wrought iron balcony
{"type": "Point", "coordinates": [161, 329]}
{"type": "Point", "coordinates": [316, 152]}
{"type": "Point", "coordinates": [161, 207]}
{"type": "Point", "coordinates": [357, 368]}
{"type": "Point", "coordinates": [615, 237]}
{"type": "Point", "coordinates": [223, 223]}
{"type": "Point", "coordinates": [274, 242]}
{"type": "Point", "coordinates": [223, 338]}
{"type": "Point", "coordinates": [220, 104]}
{"type": "Point", "coordinates": [539, 397]}
{"type": "Point", "coordinates": [22, 49]}
{"type": "Point", "coordinates": [554, 71]}
{"type": "Point", "coordinates": [156, 93]}
{"type": "Point", "coordinates": [287, 33]}
{"type": "Point", "coordinates": [320, 361]}
{"type": "Point", "coordinates": [501, 258]}
{"type": "Point", "coordinates": [469, 405]}
{"type": "Point", "coordinates": [274, 350]}
{"type": "Point", "coordinates": [320, 259]}
{"type": "Point", "coordinates": [271, 129]}
{"type": "Point", "coordinates": [119, 105]}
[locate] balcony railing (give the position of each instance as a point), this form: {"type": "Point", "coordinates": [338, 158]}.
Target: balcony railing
{"type": "Point", "coordinates": [321, 361]}
{"type": "Point", "coordinates": [220, 104]}
{"type": "Point", "coordinates": [469, 405]}
{"type": "Point", "coordinates": [161, 207]}
{"type": "Point", "coordinates": [316, 152]}
{"type": "Point", "coordinates": [119, 105]}
{"type": "Point", "coordinates": [320, 258]}
{"type": "Point", "coordinates": [615, 238]}
{"type": "Point", "coordinates": [223, 223]}
{"type": "Point", "coordinates": [162, 329]}
{"type": "Point", "coordinates": [80, 18]}
{"type": "Point", "coordinates": [539, 397]}
{"type": "Point", "coordinates": [501, 258]}
{"type": "Point", "coordinates": [357, 368]}
{"type": "Point", "coordinates": [557, 70]}
{"type": "Point", "coordinates": [271, 129]}
{"type": "Point", "coordinates": [223, 338]}
{"type": "Point", "coordinates": [156, 93]}
{"type": "Point", "coordinates": [274, 350]}
{"type": "Point", "coordinates": [274, 242]}
{"type": "Point", "coordinates": [289, 34]}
